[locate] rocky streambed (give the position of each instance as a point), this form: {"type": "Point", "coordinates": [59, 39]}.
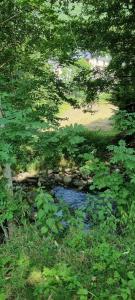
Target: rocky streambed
{"type": "Point", "coordinates": [67, 185]}
{"type": "Point", "coordinates": [64, 177]}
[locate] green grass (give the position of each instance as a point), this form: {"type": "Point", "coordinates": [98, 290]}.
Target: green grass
{"type": "Point", "coordinates": [104, 97]}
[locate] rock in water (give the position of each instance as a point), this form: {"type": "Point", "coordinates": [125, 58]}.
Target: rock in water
{"type": "Point", "coordinates": [79, 183]}
{"type": "Point", "coordinates": [67, 179]}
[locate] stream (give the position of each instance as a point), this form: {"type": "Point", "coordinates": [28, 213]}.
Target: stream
{"type": "Point", "coordinates": [80, 200]}
{"type": "Point", "coordinates": [73, 198]}
{"type": "Point", "coordinates": [76, 199]}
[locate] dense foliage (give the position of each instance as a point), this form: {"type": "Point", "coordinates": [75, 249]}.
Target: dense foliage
{"type": "Point", "coordinates": [108, 27]}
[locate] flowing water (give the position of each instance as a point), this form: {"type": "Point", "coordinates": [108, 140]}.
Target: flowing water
{"type": "Point", "coordinates": [77, 200]}
{"type": "Point", "coordinates": [73, 198]}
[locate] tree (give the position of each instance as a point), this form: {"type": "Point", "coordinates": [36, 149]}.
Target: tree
{"type": "Point", "coordinates": [108, 27]}
{"type": "Point", "coordinates": [30, 93]}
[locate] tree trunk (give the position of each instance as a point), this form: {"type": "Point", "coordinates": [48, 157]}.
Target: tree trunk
{"type": "Point", "coordinates": [9, 185]}
{"type": "Point", "coordinates": [8, 177]}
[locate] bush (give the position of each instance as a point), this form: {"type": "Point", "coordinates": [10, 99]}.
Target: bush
{"type": "Point", "coordinates": [115, 179]}
{"type": "Point", "coordinates": [98, 264]}
{"type": "Point", "coordinates": [125, 122]}
{"type": "Point", "coordinates": [70, 143]}
{"type": "Point", "coordinates": [55, 260]}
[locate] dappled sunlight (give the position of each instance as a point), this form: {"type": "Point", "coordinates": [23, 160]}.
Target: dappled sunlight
{"type": "Point", "coordinates": [24, 175]}
{"type": "Point", "coordinates": [35, 277]}
{"type": "Point", "coordinates": [98, 119]}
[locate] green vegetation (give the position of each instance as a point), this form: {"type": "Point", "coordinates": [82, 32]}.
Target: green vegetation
{"type": "Point", "coordinates": [99, 264]}
{"type": "Point", "coordinates": [63, 108]}
{"type": "Point", "coordinates": [104, 97]}
{"type": "Point", "coordinates": [48, 250]}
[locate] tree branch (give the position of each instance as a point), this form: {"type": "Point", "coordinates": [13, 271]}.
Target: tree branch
{"type": "Point", "coordinates": [12, 17]}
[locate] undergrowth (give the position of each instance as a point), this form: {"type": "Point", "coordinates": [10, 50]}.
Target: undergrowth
{"type": "Point", "coordinates": [98, 264]}
{"type": "Point", "coordinates": [55, 257]}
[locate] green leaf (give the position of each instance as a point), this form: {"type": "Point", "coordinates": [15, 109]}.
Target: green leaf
{"type": "Point", "coordinates": [44, 230]}
{"type": "Point", "coordinates": [2, 296]}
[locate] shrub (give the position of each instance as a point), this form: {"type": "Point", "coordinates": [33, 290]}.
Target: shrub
{"type": "Point", "coordinates": [115, 179]}
{"type": "Point", "coordinates": [125, 122]}
{"type": "Point", "coordinates": [98, 264]}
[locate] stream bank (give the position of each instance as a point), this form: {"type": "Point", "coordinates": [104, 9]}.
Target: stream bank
{"type": "Point", "coordinates": [67, 177]}
{"type": "Point", "coordinates": [67, 185]}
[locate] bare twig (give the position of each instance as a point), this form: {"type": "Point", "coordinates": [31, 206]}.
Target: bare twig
{"type": "Point", "coordinates": [12, 17]}
{"type": "Point", "coordinates": [2, 65]}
